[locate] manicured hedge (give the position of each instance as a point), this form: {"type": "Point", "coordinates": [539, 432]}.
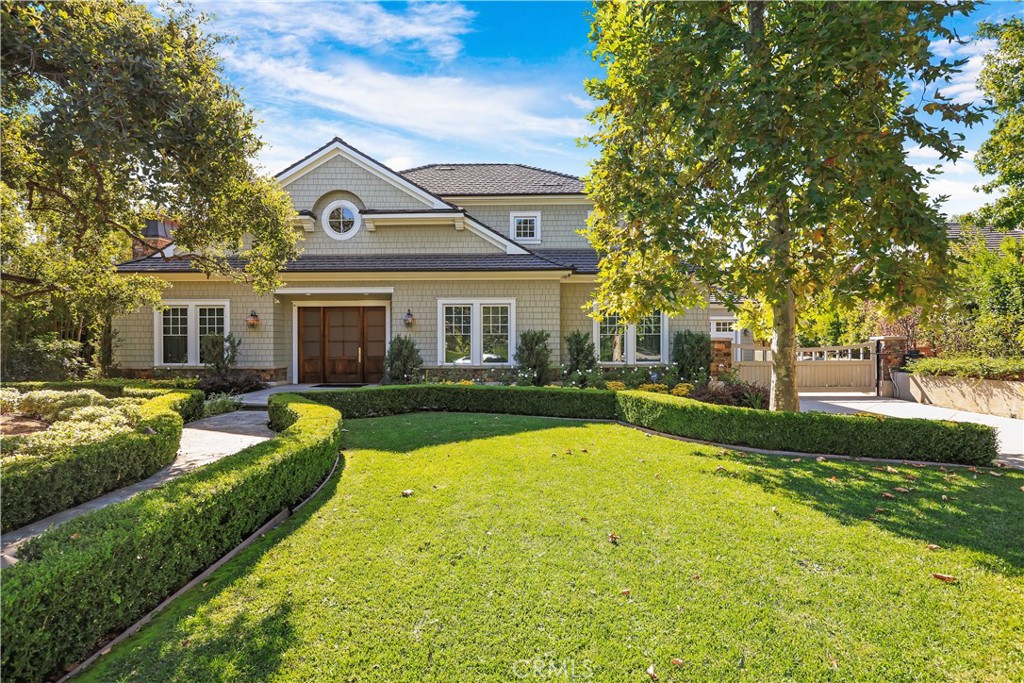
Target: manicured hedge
{"type": "Point", "coordinates": [32, 487]}
{"type": "Point", "coordinates": [858, 435]}
{"type": "Point", "coordinates": [393, 400]}
{"type": "Point", "coordinates": [970, 366]}
{"type": "Point", "coordinates": [94, 576]}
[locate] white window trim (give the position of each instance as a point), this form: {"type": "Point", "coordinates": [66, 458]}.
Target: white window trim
{"type": "Point", "coordinates": [513, 215]}
{"type": "Point", "coordinates": [193, 328]}
{"type": "Point", "coordinates": [476, 333]}
{"type": "Point", "coordinates": [340, 204]}
{"type": "Point", "coordinates": [723, 319]}
{"type": "Point", "coordinates": [629, 340]}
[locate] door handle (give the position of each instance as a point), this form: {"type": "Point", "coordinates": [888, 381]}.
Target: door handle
{"type": "Point", "coordinates": [360, 354]}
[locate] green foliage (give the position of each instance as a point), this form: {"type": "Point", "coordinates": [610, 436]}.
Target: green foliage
{"type": "Point", "coordinates": [579, 349]}
{"type": "Point", "coordinates": [220, 353]}
{"type": "Point", "coordinates": [395, 400]}
{"type": "Point", "coordinates": [872, 436]}
{"type": "Point", "coordinates": [969, 366]}
{"type": "Point", "coordinates": [47, 404]}
{"type": "Point", "coordinates": [739, 155]}
{"type": "Point", "coordinates": [61, 470]}
{"type": "Point", "coordinates": [1000, 155]}
{"type": "Point", "coordinates": [111, 116]}
{"type": "Point", "coordinates": [46, 357]}
{"type": "Point", "coordinates": [115, 564]}
{"type": "Point", "coordinates": [403, 363]}
{"type": "Point", "coordinates": [218, 404]}
{"type": "Point", "coordinates": [984, 311]}
{"type": "Point", "coordinates": [691, 354]}
{"type": "Point", "coordinates": [533, 358]}
{"type": "Point", "coordinates": [10, 400]}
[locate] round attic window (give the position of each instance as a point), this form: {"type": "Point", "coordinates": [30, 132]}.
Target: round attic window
{"type": "Point", "coordinates": [341, 219]}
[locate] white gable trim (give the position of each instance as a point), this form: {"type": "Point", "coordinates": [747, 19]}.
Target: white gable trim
{"type": "Point", "coordinates": [494, 238]}
{"type": "Point", "coordinates": [338, 148]}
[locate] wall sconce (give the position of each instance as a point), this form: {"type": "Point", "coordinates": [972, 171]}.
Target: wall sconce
{"type": "Point", "coordinates": [253, 321]}
{"type": "Point", "coordinates": [409, 319]}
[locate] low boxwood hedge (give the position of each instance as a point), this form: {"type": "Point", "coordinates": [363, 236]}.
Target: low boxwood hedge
{"type": "Point", "coordinates": [95, 575]}
{"type": "Point", "coordinates": [860, 435]}
{"type": "Point", "coordinates": [975, 367]}
{"type": "Point", "coordinates": [455, 398]}
{"type": "Point", "coordinates": [33, 487]}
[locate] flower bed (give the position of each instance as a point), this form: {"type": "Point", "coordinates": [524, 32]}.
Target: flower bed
{"type": "Point", "coordinates": [97, 574]}
{"type": "Point", "coordinates": [94, 445]}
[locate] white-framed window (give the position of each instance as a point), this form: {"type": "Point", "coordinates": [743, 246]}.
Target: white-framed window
{"type": "Point", "coordinates": [179, 327]}
{"type": "Point", "coordinates": [341, 219]}
{"type": "Point", "coordinates": [723, 327]}
{"type": "Point", "coordinates": [476, 332]}
{"type": "Point", "coordinates": [524, 226]}
{"type": "Point", "coordinates": [644, 343]}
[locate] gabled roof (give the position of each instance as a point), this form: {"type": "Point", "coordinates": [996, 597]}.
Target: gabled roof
{"type": "Point", "coordinates": [338, 147]}
{"type": "Point", "coordinates": [461, 180]}
{"type": "Point", "coordinates": [993, 238]}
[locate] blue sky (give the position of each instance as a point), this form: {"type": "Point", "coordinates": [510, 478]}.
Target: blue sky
{"type": "Point", "coordinates": [457, 82]}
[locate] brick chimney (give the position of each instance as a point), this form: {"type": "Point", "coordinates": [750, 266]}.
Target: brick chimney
{"type": "Point", "coordinates": [157, 235]}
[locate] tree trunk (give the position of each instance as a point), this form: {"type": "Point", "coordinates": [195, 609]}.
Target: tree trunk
{"type": "Point", "coordinates": [784, 394]}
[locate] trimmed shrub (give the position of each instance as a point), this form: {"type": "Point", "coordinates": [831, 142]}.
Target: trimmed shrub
{"type": "Point", "coordinates": [654, 388]}
{"type": "Point", "coordinates": [681, 389]}
{"type": "Point", "coordinates": [533, 356]}
{"type": "Point", "coordinates": [47, 404]}
{"type": "Point", "coordinates": [394, 400]}
{"type": "Point", "coordinates": [613, 385]}
{"type": "Point", "coordinates": [59, 471]}
{"type": "Point", "coordinates": [970, 366]}
{"type": "Point", "coordinates": [579, 349]}
{"type": "Point", "coordinates": [108, 387]}
{"type": "Point", "coordinates": [10, 400]}
{"type": "Point", "coordinates": [403, 363]}
{"type": "Point", "coordinates": [95, 575]}
{"type": "Point", "coordinates": [691, 354]}
{"type": "Point", "coordinates": [865, 436]}
{"type": "Point", "coordinates": [218, 404]}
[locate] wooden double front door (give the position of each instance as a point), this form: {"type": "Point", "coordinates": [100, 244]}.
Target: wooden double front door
{"type": "Point", "coordinates": [342, 344]}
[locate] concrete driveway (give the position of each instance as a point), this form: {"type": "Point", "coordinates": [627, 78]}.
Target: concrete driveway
{"type": "Point", "coordinates": [1011, 431]}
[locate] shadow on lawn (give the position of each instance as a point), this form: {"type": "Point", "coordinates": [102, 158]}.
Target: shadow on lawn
{"type": "Point", "coordinates": [981, 513]}
{"type": "Point", "coordinates": [411, 431]}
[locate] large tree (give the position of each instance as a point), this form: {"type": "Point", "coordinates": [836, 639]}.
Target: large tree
{"type": "Point", "coordinates": [110, 116]}
{"type": "Point", "coordinates": [1002, 155]}
{"type": "Point", "coordinates": [757, 149]}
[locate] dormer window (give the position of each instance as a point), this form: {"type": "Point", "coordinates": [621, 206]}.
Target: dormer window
{"type": "Point", "coordinates": [341, 220]}
{"type": "Point", "coordinates": [524, 226]}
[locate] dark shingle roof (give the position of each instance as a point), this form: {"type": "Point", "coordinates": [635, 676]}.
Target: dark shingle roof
{"type": "Point", "coordinates": [346, 263]}
{"type": "Point", "coordinates": [993, 238]}
{"type": "Point", "coordinates": [583, 261]}
{"type": "Point", "coordinates": [492, 179]}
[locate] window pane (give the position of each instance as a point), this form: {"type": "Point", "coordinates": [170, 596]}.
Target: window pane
{"type": "Point", "coordinates": [458, 326]}
{"type": "Point", "coordinates": [526, 228]}
{"type": "Point", "coordinates": [495, 334]}
{"type": "Point", "coordinates": [175, 334]}
{"type": "Point", "coordinates": [648, 339]}
{"type": "Point", "coordinates": [211, 323]}
{"type": "Point", "coordinates": [612, 340]}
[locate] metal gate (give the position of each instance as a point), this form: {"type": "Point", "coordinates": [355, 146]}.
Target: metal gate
{"type": "Point", "coordinates": [817, 368]}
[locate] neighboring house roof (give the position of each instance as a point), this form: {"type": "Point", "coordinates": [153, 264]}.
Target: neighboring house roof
{"type": "Point", "coordinates": [492, 179]}
{"type": "Point", "coordinates": [993, 238]}
{"type": "Point", "coordinates": [353, 263]}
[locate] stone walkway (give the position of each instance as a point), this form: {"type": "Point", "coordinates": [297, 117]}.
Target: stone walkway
{"type": "Point", "coordinates": [202, 442]}
{"type": "Point", "coordinates": [258, 399]}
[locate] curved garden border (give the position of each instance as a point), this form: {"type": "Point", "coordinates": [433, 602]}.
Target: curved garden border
{"type": "Point", "coordinates": [99, 573]}
{"type": "Point", "coordinates": [32, 488]}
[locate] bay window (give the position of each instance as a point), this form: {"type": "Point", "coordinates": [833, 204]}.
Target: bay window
{"type": "Point", "coordinates": [476, 332]}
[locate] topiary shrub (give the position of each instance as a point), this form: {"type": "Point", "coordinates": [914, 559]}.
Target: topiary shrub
{"type": "Point", "coordinates": [691, 355]}
{"type": "Point", "coordinates": [403, 363]}
{"type": "Point", "coordinates": [581, 368]}
{"type": "Point", "coordinates": [533, 356]}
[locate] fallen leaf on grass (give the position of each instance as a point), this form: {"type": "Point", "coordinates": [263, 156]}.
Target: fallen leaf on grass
{"type": "Point", "coordinates": [919, 465]}
{"type": "Point", "coordinates": [74, 536]}
{"type": "Point", "coordinates": [945, 497]}
{"type": "Point", "coordinates": [1022, 488]}
{"type": "Point", "coordinates": [614, 539]}
{"type": "Point", "coordinates": [972, 469]}
{"type": "Point", "coordinates": [834, 479]}
{"type": "Point", "coordinates": [945, 578]}
{"type": "Point", "coordinates": [900, 489]}
{"type": "Point", "coordinates": [695, 577]}
{"type": "Point", "coordinates": [677, 662]}
{"type": "Point", "coordinates": [820, 459]}
{"type": "Point", "coordinates": [891, 470]}
{"type": "Point", "coordinates": [406, 493]}
{"type": "Point", "coordinates": [911, 477]}
{"type": "Point", "coordinates": [625, 591]}
{"type": "Point", "coordinates": [797, 459]}
{"type": "Point", "coordinates": [994, 473]}
{"type": "Point", "coordinates": [932, 546]}
{"type": "Point", "coordinates": [650, 672]}
{"type": "Point", "coordinates": [886, 494]}
{"type": "Point", "coordinates": [879, 509]}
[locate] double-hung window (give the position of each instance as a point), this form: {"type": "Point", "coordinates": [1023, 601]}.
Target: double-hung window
{"type": "Point", "coordinates": [644, 342]}
{"type": "Point", "coordinates": [524, 226]}
{"type": "Point", "coordinates": [478, 332]}
{"type": "Point", "coordinates": [179, 328]}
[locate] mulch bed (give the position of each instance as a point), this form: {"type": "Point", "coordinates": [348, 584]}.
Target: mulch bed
{"type": "Point", "coordinates": [13, 424]}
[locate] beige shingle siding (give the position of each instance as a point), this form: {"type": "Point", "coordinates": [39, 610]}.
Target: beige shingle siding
{"type": "Point", "coordinates": [340, 173]}
{"type": "Point", "coordinates": [134, 344]}
{"type": "Point", "coordinates": [398, 240]}
{"type": "Point", "coordinates": [559, 223]}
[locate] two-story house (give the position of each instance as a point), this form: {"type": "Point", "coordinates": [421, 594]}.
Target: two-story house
{"type": "Point", "coordinates": [462, 258]}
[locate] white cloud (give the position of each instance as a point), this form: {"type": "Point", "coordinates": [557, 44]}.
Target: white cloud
{"type": "Point", "coordinates": [280, 27]}
{"type": "Point", "coordinates": [963, 87]}
{"type": "Point", "coordinates": [584, 103]}
{"type": "Point", "coordinates": [434, 107]}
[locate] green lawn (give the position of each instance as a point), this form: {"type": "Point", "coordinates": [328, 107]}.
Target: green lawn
{"type": "Point", "coordinates": [499, 567]}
